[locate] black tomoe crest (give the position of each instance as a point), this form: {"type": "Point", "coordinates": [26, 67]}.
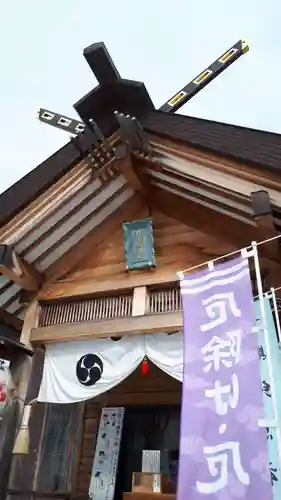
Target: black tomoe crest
{"type": "Point", "coordinates": [89, 369]}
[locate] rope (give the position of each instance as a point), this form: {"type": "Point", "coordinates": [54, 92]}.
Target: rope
{"type": "Point", "coordinates": [180, 273]}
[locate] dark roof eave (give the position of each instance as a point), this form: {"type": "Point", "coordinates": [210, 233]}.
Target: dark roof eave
{"type": "Point", "coordinates": [212, 150]}
{"type": "Point", "coordinates": [253, 147]}
{"type": "Point", "coordinates": [15, 345]}
{"type": "Point", "coordinates": [32, 185]}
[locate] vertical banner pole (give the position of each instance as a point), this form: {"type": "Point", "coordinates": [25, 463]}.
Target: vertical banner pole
{"type": "Point", "coordinates": [268, 352]}
{"type": "Point", "coordinates": [273, 295]}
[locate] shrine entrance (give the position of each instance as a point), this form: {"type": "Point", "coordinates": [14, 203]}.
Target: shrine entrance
{"type": "Point", "coordinates": [149, 428]}
{"type": "Point", "coordinates": [151, 421]}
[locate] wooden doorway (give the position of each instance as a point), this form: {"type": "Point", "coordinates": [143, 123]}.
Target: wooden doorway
{"type": "Point", "coordinates": [147, 428]}
{"type": "Point", "coordinates": [156, 389]}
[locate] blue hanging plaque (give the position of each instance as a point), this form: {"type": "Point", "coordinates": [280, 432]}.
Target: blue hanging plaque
{"type": "Point", "coordinates": [139, 244]}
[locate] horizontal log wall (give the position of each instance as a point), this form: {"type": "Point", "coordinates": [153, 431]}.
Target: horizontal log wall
{"type": "Point", "coordinates": [177, 247]}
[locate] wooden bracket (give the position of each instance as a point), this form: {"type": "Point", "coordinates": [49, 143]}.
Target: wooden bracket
{"type": "Point", "coordinates": [18, 270]}
{"type": "Point", "coordinates": [269, 252]}
{"type": "Point", "coordinates": [125, 166]}
{"type": "Point", "coordinates": [133, 134]}
{"type": "Point", "coordinates": [262, 212]}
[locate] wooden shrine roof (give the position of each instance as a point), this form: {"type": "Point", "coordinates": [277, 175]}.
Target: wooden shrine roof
{"type": "Point", "coordinates": [255, 147]}
{"type": "Point", "coordinates": [59, 204]}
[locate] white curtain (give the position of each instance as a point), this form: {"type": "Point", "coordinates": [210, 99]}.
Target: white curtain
{"type": "Point", "coordinates": [166, 352]}
{"type": "Point", "coordinates": [80, 370]}
{"type": "Point", "coordinates": [71, 374]}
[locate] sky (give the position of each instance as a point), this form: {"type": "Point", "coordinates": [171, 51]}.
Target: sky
{"type": "Point", "coordinates": [164, 43]}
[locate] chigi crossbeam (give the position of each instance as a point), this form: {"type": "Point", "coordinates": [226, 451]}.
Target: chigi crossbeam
{"type": "Point", "coordinates": [62, 122]}
{"type": "Point", "coordinates": [205, 77]}
{"type": "Point", "coordinates": [108, 75]}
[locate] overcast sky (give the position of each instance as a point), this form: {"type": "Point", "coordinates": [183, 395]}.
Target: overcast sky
{"type": "Point", "coordinates": [163, 43]}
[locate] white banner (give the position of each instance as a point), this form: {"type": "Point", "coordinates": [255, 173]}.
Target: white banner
{"type": "Point", "coordinates": [80, 370]}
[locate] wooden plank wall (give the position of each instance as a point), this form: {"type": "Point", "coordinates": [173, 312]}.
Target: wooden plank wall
{"type": "Point", "coordinates": [23, 467]}
{"type": "Point", "coordinates": [8, 426]}
{"type": "Point", "coordinates": [155, 388]}
{"type": "Point", "coordinates": [177, 247]}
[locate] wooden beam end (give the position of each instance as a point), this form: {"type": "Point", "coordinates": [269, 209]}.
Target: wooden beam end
{"type": "Point", "coordinates": [18, 270]}
{"type": "Point", "coordinates": [260, 203]}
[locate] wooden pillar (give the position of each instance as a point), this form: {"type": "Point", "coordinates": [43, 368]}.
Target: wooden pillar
{"type": "Point", "coordinates": [262, 212]}
{"type": "Point", "coordinates": [139, 301]}
{"type": "Point", "coordinates": [24, 368]}
{"type": "Point", "coordinates": [22, 365]}
{"type": "Point", "coordinates": [265, 230]}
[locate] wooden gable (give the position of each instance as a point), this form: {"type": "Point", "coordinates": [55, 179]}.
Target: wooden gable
{"type": "Point", "coordinates": [177, 246]}
{"type": "Point", "coordinates": [195, 233]}
{"type": "Point", "coordinates": [50, 228]}
{"type": "Point", "coordinates": [69, 241]}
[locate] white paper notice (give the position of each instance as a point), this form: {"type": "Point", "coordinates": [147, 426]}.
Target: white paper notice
{"type": "Point", "coordinates": [103, 479]}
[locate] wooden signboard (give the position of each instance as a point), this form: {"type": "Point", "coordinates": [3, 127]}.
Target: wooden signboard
{"type": "Point", "coordinates": [139, 244]}
{"type": "Point", "coordinates": [103, 478]}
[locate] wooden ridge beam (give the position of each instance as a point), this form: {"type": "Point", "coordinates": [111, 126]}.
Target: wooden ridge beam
{"type": "Point", "coordinates": [18, 270]}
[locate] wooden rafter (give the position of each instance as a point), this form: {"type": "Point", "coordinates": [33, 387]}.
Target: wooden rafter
{"type": "Point", "coordinates": [126, 167]}
{"type": "Point", "coordinates": [91, 242]}
{"type": "Point", "coordinates": [239, 171]}
{"type": "Point", "coordinates": [209, 221]}
{"type": "Point", "coordinates": [220, 226]}
{"type": "Point", "coordinates": [11, 320]}
{"type": "Point", "coordinates": [18, 270]}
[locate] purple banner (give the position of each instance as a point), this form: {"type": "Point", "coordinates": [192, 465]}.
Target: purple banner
{"type": "Point", "coordinates": [223, 451]}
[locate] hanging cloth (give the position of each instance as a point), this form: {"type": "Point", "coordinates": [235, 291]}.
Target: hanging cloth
{"type": "Point", "coordinates": [80, 370]}
{"type": "Point", "coordinates": [166, 352]}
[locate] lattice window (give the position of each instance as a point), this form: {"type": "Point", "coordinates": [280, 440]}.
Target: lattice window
{"type": "Point", "coordinates": [95, 308]}
{"type": "Point", "coordinates": [166, 300]}
{"type": "Point", "coordinates": [56, 450]}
